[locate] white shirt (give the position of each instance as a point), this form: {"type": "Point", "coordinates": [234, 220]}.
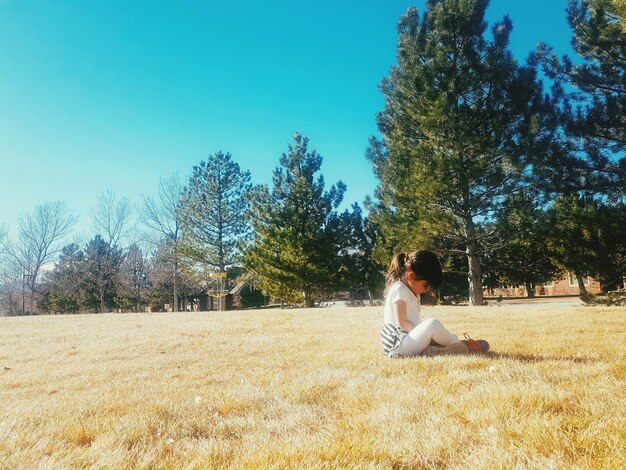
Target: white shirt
{"type": "Point", "coordinates": [398, 291]}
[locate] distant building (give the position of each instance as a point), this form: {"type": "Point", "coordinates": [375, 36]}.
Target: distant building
{"type": "Point", "coordinates": [566, 284]}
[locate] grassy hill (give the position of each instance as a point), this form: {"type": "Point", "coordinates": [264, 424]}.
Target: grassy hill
{"type": "Point", "coordinates": [309, 388]}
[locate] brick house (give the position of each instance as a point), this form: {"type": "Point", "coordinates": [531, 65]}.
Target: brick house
{"type": "Point", "coordinates": [566, 284]}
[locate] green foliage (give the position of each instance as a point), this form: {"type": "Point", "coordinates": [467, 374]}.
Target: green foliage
{"type": "Point", "coordinates": [62, 286]}
{"type": "Point", "coordinates": [214, 211]}
{"type": "Point", "coordinates": [587, 239]}
{"type": "Point", "coordinates": [455, 284]}
{"type": "Point", "coordinates": [363, 273]}
{"type": "Point", "coordinates": [593, 112]}
{"type": "Point", "coordinates": [521, 255]}
{"type": "Point", "coordinates": [612, 247]}
{"type": "Point", "coordinates": [459, 124]}
{"type": "Point", "coordinates": [620, 9]}
{"type": "Point", "coordinates": [251, 297]}
{"type": "Point", "coordinates": [84, 280]}
{"type": "Point", "coordinates": [573, 238]}
{"type": "Point", "coordinates": [100, 277]}
{"type": "Point", "coordinates": [101, 267]}
{"type": "Point", "coordinates": [301, 245]}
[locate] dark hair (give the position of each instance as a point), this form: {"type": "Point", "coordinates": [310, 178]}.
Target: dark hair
{"type": "Point", "coordinates": [423, 263]}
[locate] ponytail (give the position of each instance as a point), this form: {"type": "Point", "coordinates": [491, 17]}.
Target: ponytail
{"type": "Point", "coordinates": [397, 268]}
{"type": "Point", "coordinates": [423, 263]}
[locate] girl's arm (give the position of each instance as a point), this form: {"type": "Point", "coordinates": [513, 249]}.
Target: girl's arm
{"type": "Point", "coordinates": [401, 319]}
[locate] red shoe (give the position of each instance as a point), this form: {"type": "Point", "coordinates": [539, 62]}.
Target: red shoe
{"type": "Point", "coordinates": [475, 345]}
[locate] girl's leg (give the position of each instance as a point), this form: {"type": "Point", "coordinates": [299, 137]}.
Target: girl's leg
{"type": "Point", "coordinates": [420, 337]}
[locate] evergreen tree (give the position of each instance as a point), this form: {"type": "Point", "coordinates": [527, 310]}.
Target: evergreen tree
{"type": "Point", "coordinates": [101, 267]}
{"type": "Point", "coordinates": [573, 239]}
{"type": "Point", "coordinates": [214, 211]}
{"type": "Point", "coordinates": [588, 214]}
{"type": "Point", "coordinates": [620, 9]}
{"type": "Point", "coordinates": [611, 258]}
{"type": "Point", "coordinates": [521, 255]}
{"type": "Point", "coordinates": [586, 238]}
{"type": "Point", "coordinates": [363, 272]}
{"type": "Point", "coordinates": [459, 125]}
{"type": "Point", "coordinates": [300, 244]}
{"type": "Point", "coordinates": [591, 95]}
{"type": "Point", "coordinates": [62, 285]}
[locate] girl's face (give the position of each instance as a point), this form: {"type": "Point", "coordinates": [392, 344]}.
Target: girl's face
{"type": "Point", "coordinates": [417, 286]}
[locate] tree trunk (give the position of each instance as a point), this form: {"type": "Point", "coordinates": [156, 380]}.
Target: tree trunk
{"type": "Point", "coordinates": [101, 300]}
{"type": "Point", "coordinates": [530, 290]}
{"type": "Point", "coordinates": [33, 288]}
{"type": "Point", "coordinates": [474, 272]}
{"type": "Point", "coordinates": [31, 302]}
{"type": "Point", "coordinates": [222, 282]}
{"type": "Point", "coordinates": [308, 300]}
{"type": "Point", "coordinates": [175, 304]}
{"type": "Point", "coordinates": [582, 290]}
{"type": "Point", "coordinates": [474, 276]}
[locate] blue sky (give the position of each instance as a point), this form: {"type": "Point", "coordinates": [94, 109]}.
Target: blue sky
{"type": "Point", "coordinates": [98, 96]}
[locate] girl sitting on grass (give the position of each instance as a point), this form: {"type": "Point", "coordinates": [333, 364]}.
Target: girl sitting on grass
{"type": "Point", "coordinates": [404, 333]}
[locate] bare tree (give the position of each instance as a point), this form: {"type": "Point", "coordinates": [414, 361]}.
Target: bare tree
{"type": "Point", "coordinates": [9, 286]}
{"type": "Point", "coordinates": [4, 238]}
{"type": "Point", "coordinates": [38, 243]}
{"type": "Point", "coordinates": [11, 290]}
{"type": "Point", "coordinates": [163, 215]}
{"type": "Point", "coordinates": [110, 217]}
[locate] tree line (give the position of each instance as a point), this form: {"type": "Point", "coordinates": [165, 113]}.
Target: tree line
{"type": "Point", "coordinates": [513, 172]}
{"type": "Point", "coordinates": [288, 241]}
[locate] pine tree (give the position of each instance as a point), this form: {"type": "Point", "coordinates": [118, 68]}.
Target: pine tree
{"type": "Point", "coordinates": [363, 272]}
{"type": "Point", "coordinates": [458, 127]}
{"type": "Point", "coordinates": [620, 9]}
{"type": "Point", "coordinates": [300, 243]}
{"type": "Point", "coordinates": [214, 208]}
{"type": "Point", "coordinates": [586, 238]}
{"type": "Point", "coordinates": [573, 239]}
{"type": "Point", "coordinates": [611, 260]}
{"type": "Point", "coordinates": [101, 266]}
{"type": "Point", "coordinates": [521, 255]}
{"type": "Point", "coordinates": [62, 285]}
{"type": "Point", "coordinates": [591, 95]}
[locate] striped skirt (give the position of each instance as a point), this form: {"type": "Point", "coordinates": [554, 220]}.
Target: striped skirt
{"type": "Point", "coordinates": [391, 337]}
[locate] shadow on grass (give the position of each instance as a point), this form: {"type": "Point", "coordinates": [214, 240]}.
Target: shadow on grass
{"type": "Point", "coordinates": [540, 358]}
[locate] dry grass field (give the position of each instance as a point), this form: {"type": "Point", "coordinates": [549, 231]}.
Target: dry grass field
{"type": "Point", "coordinates": [310, 389]}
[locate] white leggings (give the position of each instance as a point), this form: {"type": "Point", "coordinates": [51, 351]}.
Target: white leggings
{"type": "Point", "coordinates": [420, 337]}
